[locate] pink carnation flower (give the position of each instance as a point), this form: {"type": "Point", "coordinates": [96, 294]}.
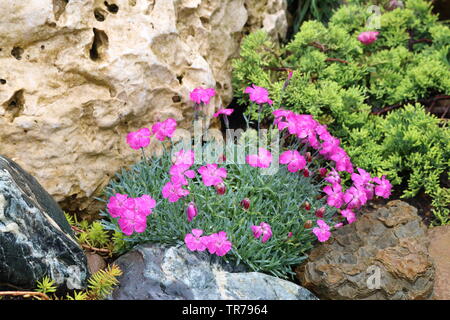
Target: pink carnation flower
{"type": "Point", "coordinates": [218, 243]}
{"type": "Point", "coordinates": [117, 204]}
{"type": "Point", "coordinates": [262, 160]}
{"type": "Point", "coordinates": [349, 215]}
{"type": "Point", "coordinates": [200, 95]}
{"type": "Point", "coordinates": [294, 160]}
{"type": "Point", "coordinates": [164, 129]}
{"type": "Point", "coordinates": [134, 216]}
{"type": "Point", "coordinates": [139, 139]}
{"type": "Point", "coordinates": [179, 173]}
{"type": "Point", "coordinates": [212, 175]}
{"type": "Point", "coordinates": [322, 232]}
{"type": "Point", "coordinates": [335, 196]}
{"type": "Point", "coordinates": [194, 241]}
{"type": "Point", "coordinates": [173, 192]}
{"type": "Point", "coordinates": [258, 94]}
{"type": "Point", "coordinates": [384, 187]}
{"type": "Point", "coordinates": [263, 230]}
{"type": "Point", "coordinates": [226, 112]}
{"type": "Point", "coordinates": [184, 157]}
{"type": "Point", "coordinates": [368, 37]}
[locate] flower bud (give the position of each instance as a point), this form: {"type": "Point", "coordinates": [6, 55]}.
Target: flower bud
{"type": "Point", "coordinates": [191, 211]}
{"type": "Point", "coordinates": [220, 189]}
{"type": "Point", "coordinates": [290, 235]}
{"type": "Point", "coordinates": [320, 212]}
{"type": "Point", "coordinates": [245, 203]}
{"type": "Point", "coordinates": [306, 173]}
{"type": "Point", "coordinates": [308, 224]}
{"type": "Point", "coordinates": [307, 205]}
{"type": "Point", "coordinates": [308, 156]}
{"type": "Point", "coordinates": [323, 172]}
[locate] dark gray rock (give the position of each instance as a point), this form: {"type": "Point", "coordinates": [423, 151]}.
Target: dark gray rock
{"type": "Point", "coordinates": [155, 272]}
{"type": "Point", "coordinates": [35, 237]}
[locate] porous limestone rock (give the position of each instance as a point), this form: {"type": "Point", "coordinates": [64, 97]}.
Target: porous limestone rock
{"type": "Point", "coordinates": [77, 75]}
{"type": "Point", "coordinates": [156, 272]}
{"type": "Point", "coordinates": [35, 238]}
{"type": "Point", "coordinates": [381, 256]}
{"type": "Point", "coordinates": [439, 250]}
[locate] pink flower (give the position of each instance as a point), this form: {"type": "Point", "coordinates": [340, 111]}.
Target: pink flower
{"type": "Point", "coordinates": [384, 187]}
{"type": "Point", "coordinates": [134, 216]}
{"type": "Point", "coordinates": [117, 204]}
{"type": "Point", "coordinates": [335, 196]}
{"type": "Point", "coordinates": [258, 94]}
{"type": "Point", "coordinates": [293, 159]}
{"type": "Point", "coordinates": [322, 232]}
{"type": "Point", "coordinates": [173, 192]}
{"type": "Point", "coordinates": [349, 214]}
{"type": "Point", "coordinates": [338, 225]}
{"type": "Point", "coordinates": [139, 139]}
{"type": "Point", "coordinates": [355, 198]}
{"type": "Point", "coordinates": [368, 37]}
{"type": "Point", "coordinates": [290, 234]}
{"type": "Point", "coordinates": [194, 241]}
{"type": "Point", "coordinates": [164, 129]}
{"type": "Point", "coordinates": [144, 205]}
{"type": "Point", "coordinates": [226, 112]}
{"type": "Point", "coordinates": [200, 95]}
{"type": "Point", "coordinates": [218, 243]}
{"type": "Point", "coordinates": [212, 175]}
{"type": "Point", "coordinates": [333, 177]}
{"type": "Point", "coordinates": [261, 160]}
{"type": "Point", "coordinates": [191, 211]}
{"type": "Point", "coordinates": [179, 173]}
{"type": "Point", "coordinates": [130, 221]}
{"type": "Point", "coordinates": [183, 157]}
{"type": "Point", "coordinates": [263, 230]}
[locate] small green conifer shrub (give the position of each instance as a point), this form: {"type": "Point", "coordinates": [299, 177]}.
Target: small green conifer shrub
{"type": "Point", "coordinates": [376, 97]}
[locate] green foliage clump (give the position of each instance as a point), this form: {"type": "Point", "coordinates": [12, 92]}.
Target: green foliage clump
{"type": "Point", "coordinates": [345, 84]}
{"type": "Point", "coordinates": [94, 235]}
{"type": "Point", "coordinates": [275, 199]}
{"type": "Point", "coordinates": [100, 285]}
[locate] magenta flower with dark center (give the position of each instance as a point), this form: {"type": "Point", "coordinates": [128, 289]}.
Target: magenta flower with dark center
{"type": "Point", "coordinates": [139, 139]}
{"type": "Point", "coordinates": [335, 197]}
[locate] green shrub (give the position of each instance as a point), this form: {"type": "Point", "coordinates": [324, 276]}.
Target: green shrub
{"type": "Point", "coordinates": [344, 83]}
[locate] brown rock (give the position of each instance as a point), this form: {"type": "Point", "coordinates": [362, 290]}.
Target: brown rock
{"type": "Point", "coordinates": [439, 250]}
{"type": "Point", "coordinates": [382, 256]}
{"type": "Point", "coordinates": [95, 262]}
